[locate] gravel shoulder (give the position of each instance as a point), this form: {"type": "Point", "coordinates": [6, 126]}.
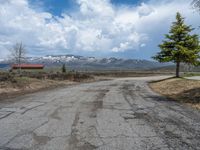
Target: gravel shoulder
{"type": "Point", "coordinates": [117, 114]}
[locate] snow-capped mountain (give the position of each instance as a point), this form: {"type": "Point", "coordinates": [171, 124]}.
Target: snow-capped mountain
{"type": "Point", "coordinates": [92, 63]}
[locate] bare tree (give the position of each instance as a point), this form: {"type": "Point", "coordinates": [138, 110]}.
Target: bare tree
{"type": "Point", "coordinates": [18, 53]}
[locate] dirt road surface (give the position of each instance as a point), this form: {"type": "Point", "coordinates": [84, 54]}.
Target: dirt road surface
{"type": "Point", "coordinates": [119, 114]}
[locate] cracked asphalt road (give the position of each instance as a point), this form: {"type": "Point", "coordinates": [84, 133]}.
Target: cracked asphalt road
{"type": "Point", "coordinates": [119, 114]}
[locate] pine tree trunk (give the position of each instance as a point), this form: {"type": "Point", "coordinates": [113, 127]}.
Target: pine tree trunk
{"type": "Point", "coordinates": [177, 69]}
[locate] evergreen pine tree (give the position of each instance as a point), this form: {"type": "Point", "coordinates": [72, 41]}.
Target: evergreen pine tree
{"type": "Point", "coordinates": [63, 68]}
{"type": "Point", "coordinates": [180, 46]}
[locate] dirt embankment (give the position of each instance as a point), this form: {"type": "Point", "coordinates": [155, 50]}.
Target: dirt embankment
{"type": "Point", "coordinates": [12, 85]}
{"type": "Point", "coordinates": [182, 90]}
{"type": "Point", "coordinates": [23, 85]}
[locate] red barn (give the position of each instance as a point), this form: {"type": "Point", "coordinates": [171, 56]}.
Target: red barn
{"type": "Point", "coordinates": [28, 66]}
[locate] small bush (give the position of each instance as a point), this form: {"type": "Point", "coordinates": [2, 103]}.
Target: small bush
{"type": "Point", "coordinates": [6, 77]}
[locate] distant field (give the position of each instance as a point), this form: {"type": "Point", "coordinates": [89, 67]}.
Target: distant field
{"type": "Point", "coordinates": [106, 73]}
{"type": "Point", "coordinates": [172, 68]}
{"type": "Point", "coordinates": [190, 74]}
{"type": "Point", "coordinates": [128, 73]}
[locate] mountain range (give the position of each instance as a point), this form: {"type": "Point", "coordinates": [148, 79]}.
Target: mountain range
{"type": "Point", "coordinates": [91, 63]}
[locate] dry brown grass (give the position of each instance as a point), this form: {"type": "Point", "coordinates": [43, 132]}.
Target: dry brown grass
{"type": "Point", "coordinates": [182, 90]}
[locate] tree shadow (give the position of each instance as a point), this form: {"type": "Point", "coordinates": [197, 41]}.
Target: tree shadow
{"type": "Point", "coordinates": [189, 96]}
{"type": "Point", "coordinates": [160, 98]}
{"type": "Point", "coordinates": [164, 79]}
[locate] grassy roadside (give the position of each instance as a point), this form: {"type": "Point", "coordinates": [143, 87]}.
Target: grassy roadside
{"type": "Point", "coordinates": [179, 89]}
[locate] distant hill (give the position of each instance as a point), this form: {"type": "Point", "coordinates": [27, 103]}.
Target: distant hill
{"type": "Point", "coordinates": [92, 63]}
{"type": "Point", "coordinates": [4, 66]}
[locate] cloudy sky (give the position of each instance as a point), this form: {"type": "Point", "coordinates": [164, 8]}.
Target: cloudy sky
{"type": "Point", "coordinates": [101, 28]}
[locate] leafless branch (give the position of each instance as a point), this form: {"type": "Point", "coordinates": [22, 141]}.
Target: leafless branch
{"type": "Point", "coordinates": [18, 53]}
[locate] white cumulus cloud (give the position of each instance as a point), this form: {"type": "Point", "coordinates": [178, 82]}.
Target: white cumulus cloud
{"type": "Point", "coordinates": [98, 26]}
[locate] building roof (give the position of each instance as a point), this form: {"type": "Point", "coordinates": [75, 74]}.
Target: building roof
{"type": "Point", "coordinates": [28, 66]}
